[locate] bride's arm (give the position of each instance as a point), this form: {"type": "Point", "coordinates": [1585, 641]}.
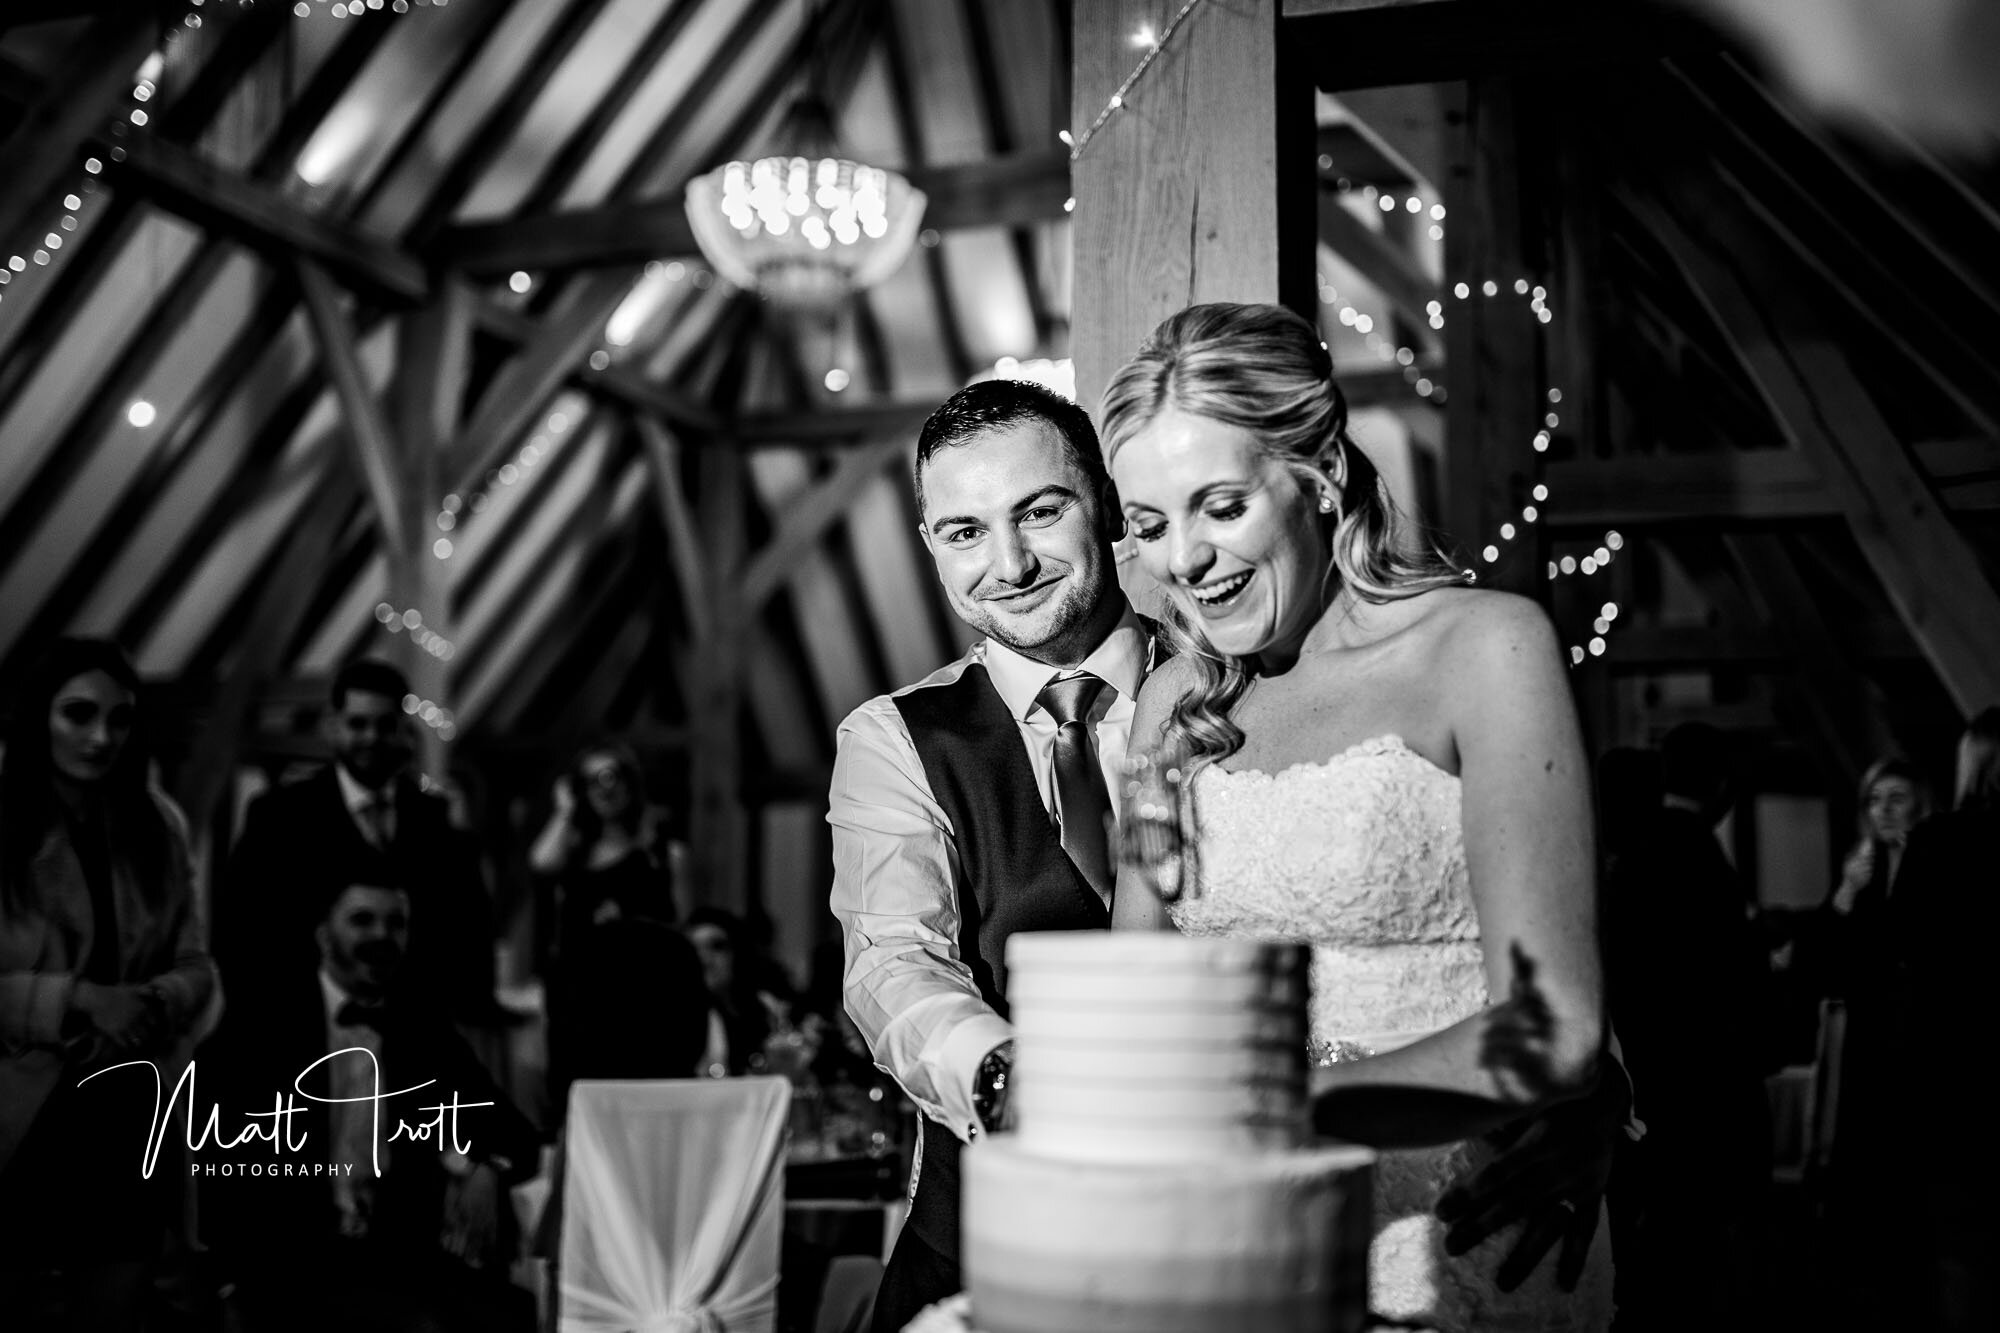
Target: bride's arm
{"type": "Point", "coordinates": [1529, 854]}
{"type": "Point", "coordinates": [1134, 905]}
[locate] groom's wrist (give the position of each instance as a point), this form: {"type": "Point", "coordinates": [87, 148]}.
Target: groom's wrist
{"type": "Point", "coordinates": [991, 1087]}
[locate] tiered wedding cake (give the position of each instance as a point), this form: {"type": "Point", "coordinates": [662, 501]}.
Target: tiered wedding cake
{"type": "Point", "coordinates": [1160, 1178]}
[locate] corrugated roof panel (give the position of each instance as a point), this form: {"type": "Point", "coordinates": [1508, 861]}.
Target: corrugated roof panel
{"type": "Point", "coordinates": [563, 103]}
{"type": "Point", "coordinates": [101, 327]}
{"type": "Point", "coordinates": [67, 526]}
{"type": "Point", "coordinates": [326, 653]}
{"type": "Point", "coordinates": [484, 86]}
{"type": "Point", "coordinates": [207, 469]}
{"type": "Point", "coordinates": [573, 489]}
{"type": "Point", "coordinates": [364, 126]}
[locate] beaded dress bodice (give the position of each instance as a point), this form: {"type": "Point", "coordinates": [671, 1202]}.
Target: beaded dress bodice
{"type": "Point", "coordinates": [1363, 856]}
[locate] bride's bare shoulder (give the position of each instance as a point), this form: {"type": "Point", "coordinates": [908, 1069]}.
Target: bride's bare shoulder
{"type": "Point", "coordinates": [1172, 678]}
{"type": "Point", "coordinates": [1456, 623]}
{"type": "Point", "coordinates": [1483, 629]}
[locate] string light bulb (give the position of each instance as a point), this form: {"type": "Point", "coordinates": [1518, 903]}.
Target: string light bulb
{"type": "Point", "coordinates": [1078, 143]}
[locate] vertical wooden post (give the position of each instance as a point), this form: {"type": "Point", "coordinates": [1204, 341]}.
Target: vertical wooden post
{"type": "Point", "coordinates": [434, 359]}
{"type": "Point", "coordinates": [718, 823]}
{"type": "Point", "coordinates": [1493, 362]}
{"type": "Point", "coordinates": [1200, 189]}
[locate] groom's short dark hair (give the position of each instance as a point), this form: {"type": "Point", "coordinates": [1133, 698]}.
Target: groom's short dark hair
{"type": "Point", "coordinates": [992, 404]}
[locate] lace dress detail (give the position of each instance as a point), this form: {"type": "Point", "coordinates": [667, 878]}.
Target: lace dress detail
{"type": "Point", "coordinates": [1363, 855]}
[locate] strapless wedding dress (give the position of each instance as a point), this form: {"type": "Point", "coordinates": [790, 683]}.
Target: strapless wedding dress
{"type": "Point", "coordinates": [1363, 856]}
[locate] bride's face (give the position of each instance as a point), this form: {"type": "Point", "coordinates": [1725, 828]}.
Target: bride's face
{"type": "Point", "coordinates": [1232, 534]}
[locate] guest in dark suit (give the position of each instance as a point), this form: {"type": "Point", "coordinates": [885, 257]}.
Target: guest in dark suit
{"type": "Point", "coordinates": [364, 819]}
{"type": "Point", "coordinates": [1686, 968]}
{"type": "Point", "coordinates": [374, 1225]}
{"type": "Point", "coordinates": [1916, 1020]}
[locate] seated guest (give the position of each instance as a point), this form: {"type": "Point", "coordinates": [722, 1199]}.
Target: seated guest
{"type": "Point", "coordinates": [102, 961]}
{"type": "Point", "coordinates": [380, 1214]}
{"type": "Point", "coordinates": [647, 1018]}
{"type": "Point", "coordinates": [364, 819]}
{"type": "Point", "coordinates": [744, 1009]}
{"type": "Point", "coordinates": [645, 1015]}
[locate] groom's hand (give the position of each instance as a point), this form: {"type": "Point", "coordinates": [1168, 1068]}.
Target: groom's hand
{"type": "Point", "coordinates": [1550, 1177]}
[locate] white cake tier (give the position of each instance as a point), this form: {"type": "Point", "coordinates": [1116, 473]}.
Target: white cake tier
{"type": "Point", "coordinates": [1272, 1242]}
{"type": "Point", "coordinates": [1156, 1047]}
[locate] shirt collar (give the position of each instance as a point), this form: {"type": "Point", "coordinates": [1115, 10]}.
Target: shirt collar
{"type": "Point", "coordinates": [358, 797]}
{"type": "Point", "coordinates": [1120, 661]}
{"type": "Point", "coordinates": [335, 997]}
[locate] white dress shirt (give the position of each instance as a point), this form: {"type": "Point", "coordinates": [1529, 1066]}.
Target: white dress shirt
{"type": "Point", "coordinates": [361, 799]}
{"type": "Point", "coordinates": [896, 873]}
{"type": "Point", "coordinates": [351, 1123]}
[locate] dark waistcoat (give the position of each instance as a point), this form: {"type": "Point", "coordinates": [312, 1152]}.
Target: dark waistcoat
{"type": "Point", "coordinates": [1013, 875]}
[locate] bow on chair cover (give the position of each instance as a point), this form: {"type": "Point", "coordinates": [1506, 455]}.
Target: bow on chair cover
{"type": "Point", "coordinates": [673, 1206]}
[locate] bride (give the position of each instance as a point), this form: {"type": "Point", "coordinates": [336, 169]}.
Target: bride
{"type": "Point", "coordinates": [1387, 764]}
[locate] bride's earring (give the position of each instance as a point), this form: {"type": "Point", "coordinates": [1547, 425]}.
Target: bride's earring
{"type": "Point", "coordinates": [1325, 503]}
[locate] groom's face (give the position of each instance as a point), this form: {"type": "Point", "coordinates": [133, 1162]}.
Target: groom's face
{"type": "Point", "coordinates": [1017, 531]}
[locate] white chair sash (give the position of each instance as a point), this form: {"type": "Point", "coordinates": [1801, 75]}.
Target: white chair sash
{"type": "Point", "coordinates": [673, 1205]}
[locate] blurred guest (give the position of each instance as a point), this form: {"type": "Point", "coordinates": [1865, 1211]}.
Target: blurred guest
{"type": "Point", "coordinates": [598, 848]}
{"type": "Point", "coordinates": [1892, 801]}
{"type": "Point", "coordinates": [595, 849]}
{"type": "Point", "coordinates": [1915, 1011]}
{"type": "Point", "coordinates": [1685, 971]}
{"type": "Point", "coordinates": [647, 1019]}
{"type": "Point", "coordinates": [363, 819]}
{"type": "Point", "coordinates": [372, 1225]}
{"type": "Point", "coordinates": [742, 1013]}
{"type": "Point", "coordinates": [1629, 797]}
{"type": "Point", "coordinates": [1861, 953]}
{"type": "Point", "coordinates": [102, 961]}
{"type": "Point", "coordinates": [646, 1016]}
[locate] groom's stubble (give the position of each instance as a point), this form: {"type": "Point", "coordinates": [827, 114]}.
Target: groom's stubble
{"type": "Point", "coordinates": [1040, 526]}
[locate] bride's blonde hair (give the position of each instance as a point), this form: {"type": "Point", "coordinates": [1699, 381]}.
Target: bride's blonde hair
{"type": "Point", "coordinates": [1263, 369]}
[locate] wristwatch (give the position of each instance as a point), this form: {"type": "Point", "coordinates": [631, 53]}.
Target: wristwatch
{"type": "Point", "coordinates": [990, 1087]}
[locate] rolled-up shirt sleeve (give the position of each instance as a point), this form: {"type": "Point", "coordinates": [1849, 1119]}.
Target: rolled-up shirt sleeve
{"type": "Point", "coordinates": [895, 893]}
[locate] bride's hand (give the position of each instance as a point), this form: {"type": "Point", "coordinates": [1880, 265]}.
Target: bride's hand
{"type": "Point", "coordinates": [1550, 1178]}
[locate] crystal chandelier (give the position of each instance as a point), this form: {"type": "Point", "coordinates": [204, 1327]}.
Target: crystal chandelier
{"type": "Point", "coordinates": [804, 226]}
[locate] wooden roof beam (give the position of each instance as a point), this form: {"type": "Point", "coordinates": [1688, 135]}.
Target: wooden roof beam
{"type": "Point", "coordinates": [263, 219]}
{"type": "Point", "coordinates": [1374, 386]}
{"type": "Point", "coordinates": [1378, 43]}
{"type": "Point", "coordinates": [1742, 486]}
{"type": "Point", "coordinates": [378, 460]}
{"type": "Point", "coordinates": [807, 518]}
{"type": "Point", "coordinates": [260, 217]}
{"type": "Point", "coordinates": [1843, 706]}
{"type": "Point", "coordinates": [89, 85]}
{"type": "Point", "coordinates": [688, 562]}
{"type": "Point", "coordinates": [1012, 190]}
{"type": "Point", "coordinates": [1693, 647]}
{"type": "Point", "coordinates": [1392, 270]}
{"type": "Point", "coordinates": [1930, 572]}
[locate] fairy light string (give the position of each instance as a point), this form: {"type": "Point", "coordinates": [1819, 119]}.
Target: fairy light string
{"type": "Point", "coordinates": [1154, 45]}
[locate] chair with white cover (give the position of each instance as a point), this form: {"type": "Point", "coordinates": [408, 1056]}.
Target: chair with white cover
{"type": "Point", "coordinates": [673, 1206]}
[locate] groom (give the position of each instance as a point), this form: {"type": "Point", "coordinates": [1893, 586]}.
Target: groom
{"type": "Point", "coordinates": [971, 805]}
